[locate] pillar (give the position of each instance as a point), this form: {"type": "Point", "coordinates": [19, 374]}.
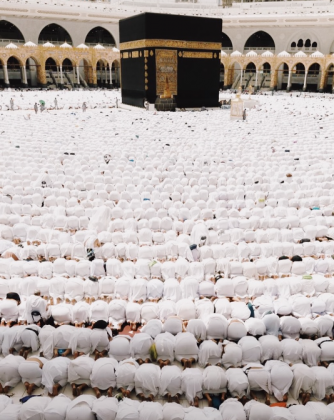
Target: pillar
{"type": "Point", "coordinates": [322, 81]}
{"type": "Point", "coordinates": [305, 81]}
{"type": "Point", "coordinates": [273, 80]}
{"type": "Point", "coordinates": [5, 75]}
{"type": "Point", "coordinates": [94, 77]}
{"type": "Point", "coordinates": [78, 76]}
{"type": "Point", "coordinates": [241, 77]}
{"type": "Point", "coordinates": [110, 74]}
{"type": "Point", "coordinates": [61, 76]}
{"type": "Point", "coordinates": [227, 78]}
{"type": "Point", "coordinates": [74, 76]}
{"type": "Point", "coordinates": [289, 82]}
{"type": "Point", "coordinates": [106, 74]}
{"type": "Point", "coordinates": [256, 81]}
{"type": "Point", "coordinates": [24, 81]}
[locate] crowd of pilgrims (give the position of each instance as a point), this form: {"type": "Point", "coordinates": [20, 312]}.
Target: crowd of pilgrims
{"type": "Point", "coordinates": [154, 276]}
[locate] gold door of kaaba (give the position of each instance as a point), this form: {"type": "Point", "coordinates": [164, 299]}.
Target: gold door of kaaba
{"type": "Point", "coordinates": [166, 67]}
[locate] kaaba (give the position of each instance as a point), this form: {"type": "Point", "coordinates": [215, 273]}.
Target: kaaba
{"type": "Point", "coordinates": [184, 51]}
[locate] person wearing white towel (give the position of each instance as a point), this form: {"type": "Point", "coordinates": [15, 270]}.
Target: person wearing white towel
{"type": "Point", "coordinates": [147, 381]}
{"type": "Point", "coordinates": [103, 377]}
{"type": "Point", "coordinates": [214, 383]}
{"type": "Point", "coordinates": [55, 375]}
{"type": "Point", "coordinates": [79, 373]}
{"type": "Point", "coordinates": [191, 385]}
{"type": "Point", "coordinates": [125, 376]}
{"type": "Point", "coordinates": [9, 372]}
{"type": "Point", "coordinates": [31, 372]}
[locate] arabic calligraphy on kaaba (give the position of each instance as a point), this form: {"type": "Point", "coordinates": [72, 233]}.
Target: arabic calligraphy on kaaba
{"type": "Point", "coordinates": [166, 67]}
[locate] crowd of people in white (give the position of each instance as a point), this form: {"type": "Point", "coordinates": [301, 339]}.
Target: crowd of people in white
{"type": "Point", "coordinates": [157, 257]}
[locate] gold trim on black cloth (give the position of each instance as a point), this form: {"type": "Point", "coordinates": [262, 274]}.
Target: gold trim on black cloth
{"type": "Point", "coordinates": [169, 43]}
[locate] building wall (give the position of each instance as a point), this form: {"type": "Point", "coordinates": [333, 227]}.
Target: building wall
{"type": "Point", "coordinates": [31, 28]}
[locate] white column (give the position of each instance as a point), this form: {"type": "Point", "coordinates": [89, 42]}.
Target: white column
{"type": "Point", "coordinates": [256, 76]}
{"type": "Point", "coordinates": [289, 80]}
{"type": "Point", "coordinates": [106, 74]}
{"type": "Point", "coordinates": [110, 75]}
{"type": "Point", "coordinates": [61, 75]}
{"type": "Point", "coordinates": [241, 75]}
{"type": "Point", "coordinates": [74, 75]}
{"type": "Point", "coordinates": [58, 74]}
{"type": "Point", "coordinates": [78, 75]}
{"type": "Point", "coordinates": [24, 75]}
{"type": "Point", "coordinates": [305, 80]}
{"type": "Point", "coordinates": [5, 74]}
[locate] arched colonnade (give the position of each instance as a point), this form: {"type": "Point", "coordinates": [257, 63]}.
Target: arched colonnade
{"type": "Point", "coordinates": [277, 73]}
{"type": "Point", "coordinates": [73, 67]}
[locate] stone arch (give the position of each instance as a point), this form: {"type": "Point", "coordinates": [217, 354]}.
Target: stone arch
{"type": "Point", "coordinates": [314, 72]}
{"type": "Point", "coordinates": [102, 72]}
{"type": "Point", "coordinates": [226, 42]}
{"type": "Point", "coordinates": [10, 32]}
{"type": "Point", "coordinates": [260, 40]}
{"type": "Point", "coordinates": [100, 35]}
{"type": "Point", "coordinates": [55, 34]}
{"type": "Point", "coordinates": [14, 69]}
{"type": "Point", "coordinates": [51, 63]}
{"type": "Point", "coordinates": [298, 76]}
{"type": "Point", "coordinates": [329, 77]}
{"type": "Point", "coordinates": [303, 40]}
{"type": "Point", "coordinates": [281, 74]}
{"type": "Point", "coordinates": [33, 71]}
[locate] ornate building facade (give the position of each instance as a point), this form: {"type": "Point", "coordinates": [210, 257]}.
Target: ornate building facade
{"type": "Point", "coordinates": [270, 45]}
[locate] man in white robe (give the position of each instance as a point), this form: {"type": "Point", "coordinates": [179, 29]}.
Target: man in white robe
{"type": "Point", "coordinates": [147, 381]}
{"type": "Point", "coordinates": [170, 383]}
{"type": "Point", "coordinates": [232, 354]}
{"type": "Point", "coordinates": [140, 347]}
{"type": "Point", "coordinates": [55, 375]}
{"type": "Point", "coordinates": [214, 383]}
{"type": "Point", "coordinates": [125, 376]}
{"type": "Point", "coordinates": [31, 373]}
{"type": "Point", "coordinates": [103, 377]}
{"type": "Point", "coordinates": [259, 380]}
{"type": "Point", "coordinates": [164, 344]}
{"type": "Point", "coordinates": [210, 353]}
{"type": "Point", "coordinates": [79, 373]}
{"type": "Point", "coordinates": [323, 384]}
{"type": "Point", "coordinates": [232, 409]}
{"type": "Point", "coordinates": [172, 411]}
{"type": "Point", "coordinates": [281, 378]}
{"type": "Point", "coordinates": [191, 385]}
{"type": "Point", "coordinates": [186, 350]}
{"type": "Point", "coordinates": [303, 382]}
{"type": "Point", "coordinates": [9, 372]}
{"type": "Point", "coordinates": [238, 384]}
{"type": "Point", "coordinates": [81, 408]}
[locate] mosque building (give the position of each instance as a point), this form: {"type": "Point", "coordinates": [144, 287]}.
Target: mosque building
{"type": "Point", "coordinates": [267, 45]}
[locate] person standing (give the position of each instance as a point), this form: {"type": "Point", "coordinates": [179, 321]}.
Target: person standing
{"type": "Point", "coordinates": [84, 107]}
{"type": "Point", "coordinates": [11, 104]}
{"type": "Point", "coordinates": [36, 108]}
{"type": "Point", "coordinates": [56, 103]}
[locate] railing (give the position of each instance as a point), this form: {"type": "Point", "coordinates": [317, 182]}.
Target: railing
{"type": "Point", "coordinates": [41, 42]}
{"type": "Point", "coordinates": [4, 42]}
{"type": "Point", "coordinates": [90, 44]}
{"type": "Point", "coordinates": [262, 49]}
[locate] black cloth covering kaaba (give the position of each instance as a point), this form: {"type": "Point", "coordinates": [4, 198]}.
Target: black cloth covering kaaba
{"type": "Point", "coordinates": [184, 49]}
